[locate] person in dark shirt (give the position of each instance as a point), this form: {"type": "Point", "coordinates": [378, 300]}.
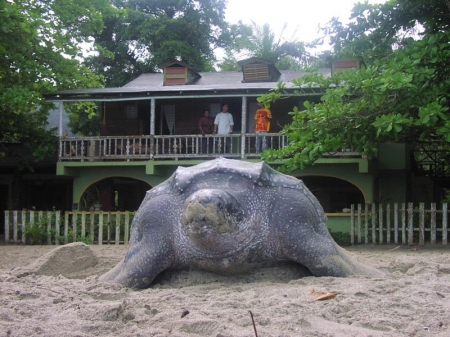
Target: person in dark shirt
{"type": "Point", "coordinates": [206, 126]}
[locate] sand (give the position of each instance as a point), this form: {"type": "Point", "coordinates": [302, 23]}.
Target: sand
{"type": "Point", "coordinates": [43, 293]}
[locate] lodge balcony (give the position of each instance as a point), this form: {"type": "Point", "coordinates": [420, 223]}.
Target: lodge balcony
{"type": "Point", "coordinates": [173, 147]}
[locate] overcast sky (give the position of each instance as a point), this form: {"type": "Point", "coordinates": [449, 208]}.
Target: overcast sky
{"type": "Point", "coordinates": [302, 17]}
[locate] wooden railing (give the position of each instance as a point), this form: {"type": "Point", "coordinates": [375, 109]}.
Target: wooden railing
{"type": "Point", "coordinates": [164, 147]}
{"type": "Point", "coordinates": [399, 223]}
{"type": "Point", "coordinates": [172, 147]}
{"type": "Point", "coordinates": [55, 227]}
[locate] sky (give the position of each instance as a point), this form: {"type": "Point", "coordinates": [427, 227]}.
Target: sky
{"type": "Point", "coordinates": [302, 16]}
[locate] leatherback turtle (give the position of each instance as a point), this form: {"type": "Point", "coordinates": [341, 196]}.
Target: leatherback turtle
{"type": "Point", "coordinates": [230, 216]}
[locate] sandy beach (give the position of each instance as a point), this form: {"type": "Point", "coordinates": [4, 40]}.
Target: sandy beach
{"type": "Point", "coordinates": [47, 294]}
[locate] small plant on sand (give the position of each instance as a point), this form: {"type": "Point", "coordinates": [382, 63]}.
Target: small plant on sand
{"type": "Point", "coordinates": [85, 239]}
{"type": "Point", "coordinates": [36, 232]}
{"type": "Point", "coordinates": [341, 238]}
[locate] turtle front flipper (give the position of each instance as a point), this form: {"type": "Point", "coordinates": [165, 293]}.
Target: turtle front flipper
{"type": "Point", "coordinates": [303, 237]}
{"type": "Point", "coordinates": [151, 246]}
{"type": "Point", "coordinates": [323, 257]}
{"type": "Point", "coordinates": [142, 264]}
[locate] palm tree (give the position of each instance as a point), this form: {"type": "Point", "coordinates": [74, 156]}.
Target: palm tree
{"type": "Point", "coordinates": [260, 41]}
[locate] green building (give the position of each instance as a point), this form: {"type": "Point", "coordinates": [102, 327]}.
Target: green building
{"type": "Point", "coordinates": [150, 127]}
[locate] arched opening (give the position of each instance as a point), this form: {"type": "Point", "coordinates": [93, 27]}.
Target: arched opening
{"type": "Point", "coordinates": [114, 194]}
{"type": "Point", "coordinates": [334, 194]}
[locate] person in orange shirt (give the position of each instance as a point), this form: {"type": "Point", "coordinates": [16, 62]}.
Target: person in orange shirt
{"type": "Point", "coordinates": [262, 126]}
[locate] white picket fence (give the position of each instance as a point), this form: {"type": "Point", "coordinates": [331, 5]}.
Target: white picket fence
{"type": "Point", "coordinates": [55, 227]}
{"type": "Point", "coordinates": [369, 224]}
{"type": "Point", "coordinates": [399, 224]}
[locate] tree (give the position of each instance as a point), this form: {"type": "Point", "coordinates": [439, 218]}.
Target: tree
{"type": "Point", "coordinates": [400, 94]}
{"type": "Point", "coordinates": [39, 46]}
{"type": "Point", "coordinates": [84, 120]}
{"type": "Point", "coordinates": [141, 34]}
{"type": "Point", "coordinates": [260, 41]}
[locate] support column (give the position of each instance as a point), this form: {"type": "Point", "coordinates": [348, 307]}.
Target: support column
{"type": "Point", "coordinates": [60, 124]}
{"type": "Point", "coordinates": [243, 125]}
{"type": "Point", "coordinates": [152, 117]}
{"type": "Point", "coordinates": [152, 127]}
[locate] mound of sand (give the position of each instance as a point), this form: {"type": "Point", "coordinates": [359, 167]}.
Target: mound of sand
{"type": "Point", "coordinates": [64, 260]}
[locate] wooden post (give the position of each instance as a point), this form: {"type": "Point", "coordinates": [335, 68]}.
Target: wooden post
{"type": "Point", "coordinates": [127, 228]}
{"type": "Point", "coordinates": [49, 227]}
{"type": "Point", "coordinates": [374, 224]}
{"type": "Point", "coordinates": [352, 224]}
{"type": "Point", "coordinates": [380, 223]}
{"type": "Point", "coordinates": [421, 224]}
{"type": "Point", "coordinates": [117, 228]}
{"type": "Point", "coordinates": [388, 223]}
{"type": "Point", "coordinates": [91, 228]}
{"type": "Point", "coordinates": [410, 224]}
{"type": "Point", "coordinates": [108, 236]}
{"type": "Point", "coordinates": [74, 226]}
{"type": "Point", "coordinates": [31, 218]}
{"type": "Point", "coordinates": [83, 224]}
{"type": "Point", "coordinates": [15, 226]}
{"type": "Point", "coordinates": [444, 224]}
{"type": "Point", "coordinates": [7, 226]}
{"type": "Point", "coordinates": [66, 228]}
{"type": "Point", "coordinates": [433, 223]}
{"type": "Point", "coordinates": [100, 228]}
{"type": "Point", "coordinates": [57, 228]}
{"type": "Point", "coordinates": [396, 223]}
{"type": "Point", "coordinates": [366, 224]}
{"type": "Point", "coordinates": [404, 223]}
{"type": "Point", "coordinates": [359, 223]}
{"type": "Point", "coordinates": [24, 220]}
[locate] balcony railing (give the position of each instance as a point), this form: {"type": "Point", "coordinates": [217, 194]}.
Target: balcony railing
{"type": "Point", "coordinates": [173, 147]}
{"type": "Point", "coordinates": [165, 147]}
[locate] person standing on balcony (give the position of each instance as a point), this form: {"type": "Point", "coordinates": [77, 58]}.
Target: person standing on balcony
{"type": "Point", "coordinates": [262, 126]}
{"type": "Point", "coordinates": [223, 125]}
{"type": "Point", "coordinates": [206, 126]}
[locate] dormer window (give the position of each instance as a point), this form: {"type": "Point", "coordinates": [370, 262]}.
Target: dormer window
{"type": "Point", "coordinates": [256, 72]}
{"type": "Point", "coordinates": [179, 73]}
{"type": "Point", "coordinates": [259, 70]}
{"type": "Point", "coordinates": [175, 75]}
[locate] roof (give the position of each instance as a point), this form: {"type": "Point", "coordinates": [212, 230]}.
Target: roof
{"type": "Point", "coordinates": [214, 84]}
{"type": "Point", "coordinates": [255, 60]}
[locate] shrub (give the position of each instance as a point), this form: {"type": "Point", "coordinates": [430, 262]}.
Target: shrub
{"type": "Point", "coordinates": [341, 238]}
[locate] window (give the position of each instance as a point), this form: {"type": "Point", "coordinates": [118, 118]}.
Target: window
{"type": "Point", "coordinates": [131, 111]}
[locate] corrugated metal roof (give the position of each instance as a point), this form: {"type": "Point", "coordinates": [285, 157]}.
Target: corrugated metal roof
{"type": "Point", "coordinates": [152, 85]}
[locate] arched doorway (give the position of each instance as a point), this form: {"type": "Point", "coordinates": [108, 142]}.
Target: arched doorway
{"type": "Point", "coordinates": [114, 194]}
{"type": "Point", "coordinates": [334, 194]}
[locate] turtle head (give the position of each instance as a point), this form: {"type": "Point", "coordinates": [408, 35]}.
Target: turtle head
{"type": "Point", "coordinates": [210, 216]}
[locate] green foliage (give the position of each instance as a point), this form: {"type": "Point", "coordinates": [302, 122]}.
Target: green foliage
{"type": "Point", "coordinates": [400, 95]}
{"type": "Point", "coordinates": [140, 35]}
{"type": "Point", "coordinates": [84, 118]}
{"type": "Point", "coordinates": [39, 46]}
{"type": "Point", "coordinates": [341, 238]}
{"type": "Point", "coordinates": [36, 233]}
{"type": "Point", "coordinates": [260, 41]}
{"type": "Point", "coordinates": [88, 240]}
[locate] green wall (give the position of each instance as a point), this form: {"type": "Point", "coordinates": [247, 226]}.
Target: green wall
{"type": "Point", "coordinates": [339, 222]}
{"type": "Point", "coordinates": [356, 171]}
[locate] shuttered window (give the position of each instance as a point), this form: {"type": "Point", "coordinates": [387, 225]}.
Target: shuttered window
{"type": "Point", "coordinates": [256, 72]}
{"type": "Point", "coordinates": [175, 75]}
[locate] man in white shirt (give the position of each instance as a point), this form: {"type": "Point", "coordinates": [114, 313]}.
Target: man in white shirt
{"type": "Point", "coordinates": [223, 125]}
